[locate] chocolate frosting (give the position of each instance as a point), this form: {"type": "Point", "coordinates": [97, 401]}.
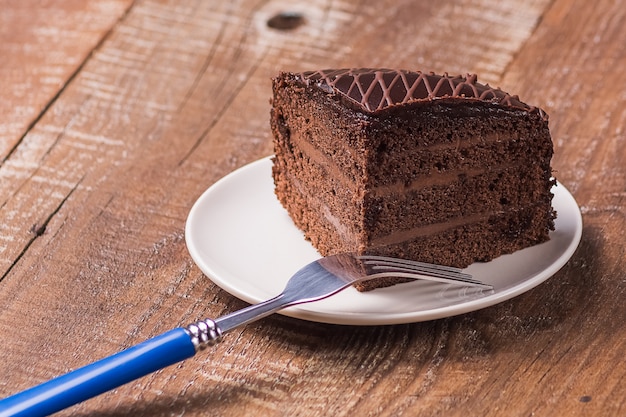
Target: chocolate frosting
{"type": "Point", "coordinates": [374, 89]}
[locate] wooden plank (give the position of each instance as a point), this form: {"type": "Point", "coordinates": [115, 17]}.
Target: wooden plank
{"type": "Point", "coordinates": [42, 46]}
{"type": "Point", "coordinates": [572, 67]}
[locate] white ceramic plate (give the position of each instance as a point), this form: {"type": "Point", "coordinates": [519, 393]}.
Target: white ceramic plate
{"type": "Point", "coordinates": [244, 241]}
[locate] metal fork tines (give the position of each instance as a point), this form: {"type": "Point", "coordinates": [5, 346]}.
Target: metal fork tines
{"type": "Point", "coordinates": [325, 277]}
{"type": "Point", "coordinates": [396, 267]}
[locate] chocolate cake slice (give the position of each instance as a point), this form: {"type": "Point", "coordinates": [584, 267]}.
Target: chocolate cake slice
{"type": "Point", "coordinates": [429, 167]}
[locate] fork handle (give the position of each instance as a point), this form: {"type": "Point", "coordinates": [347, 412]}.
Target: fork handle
{"type": "Point", "coordinates": [137, 361]}
{"type": "Point", "coordinates": [101, 376]}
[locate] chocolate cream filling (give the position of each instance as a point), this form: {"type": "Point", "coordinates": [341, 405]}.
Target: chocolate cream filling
{"type": "Point", "coordinates": [440, 178]}
{"type": "Point", "coordinates": [400, 235]}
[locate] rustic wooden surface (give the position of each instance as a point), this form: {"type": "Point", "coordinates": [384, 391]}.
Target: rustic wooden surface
{"type": "Point", "coordinates": [116, 115]}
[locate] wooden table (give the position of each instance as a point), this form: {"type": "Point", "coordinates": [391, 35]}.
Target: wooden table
{"type": "Point", "coordinates": [116, 115]}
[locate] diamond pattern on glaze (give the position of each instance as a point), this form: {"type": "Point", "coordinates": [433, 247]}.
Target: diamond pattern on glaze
{"type": "Point", "coordinates": [376, 89]}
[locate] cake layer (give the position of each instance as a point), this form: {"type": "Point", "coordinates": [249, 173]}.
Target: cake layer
{"type": "Point", "coordinates": [496, 191]}
{"type": "Point", "coordinates": [327, 130]}
{"type": "Point", "coordinates": [327, 233]}
{"type": "Point", "coordinates": [340, 214]}
{"type": "Point", "coordinates": [461, 246]}
{"type": "Point", "coordinates": [420, 203]}
{"type": "Point", "coordinates": [441, 138]}
{"type": "Point", "coordinates": [332, 199]}
{"type": "Point", "coordinates": [426, 140]}
{"type": "Point", "coordinates": [481, 240]}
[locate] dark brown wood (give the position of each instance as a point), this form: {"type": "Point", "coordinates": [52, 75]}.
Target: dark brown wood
{"type": "Point", "coordinates": [116, 116]}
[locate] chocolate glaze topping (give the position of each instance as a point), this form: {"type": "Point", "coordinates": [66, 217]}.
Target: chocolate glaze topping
{"type": "Point", "coordinates": [374, 89]}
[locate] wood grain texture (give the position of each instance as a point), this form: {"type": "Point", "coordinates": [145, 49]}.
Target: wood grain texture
{"type": "Point", "coordinates": [163, 98]}
{"type": "Point", "coordinates": [578, 79]}
{"type": "Point", "coordinates": [42, 45]}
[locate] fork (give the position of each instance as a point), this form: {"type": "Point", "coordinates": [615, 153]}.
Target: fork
{"type": "Point", "coordinates": [317, 280]}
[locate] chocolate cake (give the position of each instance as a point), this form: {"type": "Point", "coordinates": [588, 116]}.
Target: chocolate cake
{"type": "Point", "coordinates": [429, 167]}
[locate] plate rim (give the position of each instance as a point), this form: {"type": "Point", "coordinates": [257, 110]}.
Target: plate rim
{"type": "Point", "coordinates": [310, 313]}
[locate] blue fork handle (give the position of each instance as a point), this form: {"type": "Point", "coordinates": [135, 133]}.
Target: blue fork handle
{"type": "Point", "coordinates": [94, 379]}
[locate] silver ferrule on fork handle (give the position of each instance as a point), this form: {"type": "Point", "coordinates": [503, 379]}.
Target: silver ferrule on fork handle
{"type": "Point", "coordinates": [204, 333]}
